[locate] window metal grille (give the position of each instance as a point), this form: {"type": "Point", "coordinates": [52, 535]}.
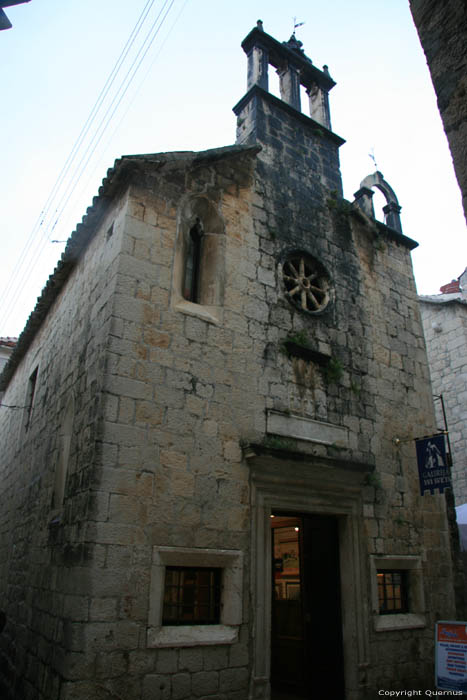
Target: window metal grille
{"type": "Point", "coordinates": [392, 591]}
{"type": "Point", "coordinates": [191, 596]}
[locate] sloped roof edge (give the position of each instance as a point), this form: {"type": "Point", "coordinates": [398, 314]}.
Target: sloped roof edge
{"type": "Point", "coordinates": [383, 228]}
{"type": "Point", "coordinates": [454, 298]}
{"type": "Point", "coordinates": [117, 178]}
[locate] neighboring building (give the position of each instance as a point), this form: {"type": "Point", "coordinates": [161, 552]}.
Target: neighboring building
{"type": "Point", "coordinates": [444, 318]}
{"type": "Point", "coordinates": [442, 29]}
{"type": "Point", "coordinates": [215, 381]}
{"type": "Point", "coordinates": [6, 348]}
{"type": "Point", "coordinates": [4, 21]}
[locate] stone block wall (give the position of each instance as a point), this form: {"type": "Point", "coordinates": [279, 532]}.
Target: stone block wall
{"type": "Point", "coordinates": [183, 394]}
{"type": "Point", "coordinates": [442, 31]}
{"type": "Point", "coordinates": [304, 153]}
{"type": "Point", "coordinates": [398, 520]}
{"type": "Point", "coordinates": [177, 396]}
{"type": "Point", "coordinates": [373, 330]}
{"type": "Point", "coordinates": [445, 326]}
{"type": "Point", "coordinates": [171, 397]}
{"type": "Point", "coordinates": [44, 555]}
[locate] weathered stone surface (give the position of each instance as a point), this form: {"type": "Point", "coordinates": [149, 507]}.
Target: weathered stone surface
{"type": "Point", "coordinates": [444, 319]}
{"type": "Point", "coordinates": [170, 443]}
{"type": "Point", "coordinates": [442, 30]}
{"type": "Point", "coordinates": [156, 687]}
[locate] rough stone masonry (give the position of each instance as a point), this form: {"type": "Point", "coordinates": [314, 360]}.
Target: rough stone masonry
{"type": "Point", "coordinates": [160, 422]}
{"type": "Point", "coordinates": [442, 29]}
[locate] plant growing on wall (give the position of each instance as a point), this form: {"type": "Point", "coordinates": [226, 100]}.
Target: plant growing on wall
{"type": "Point", "coordinates": [374, 479]}
{"type": "Point", "coordinates": [333, 371]}
{"type": "Point", "coordinates": [295, 340]}
{"type": "Point", "coordinates": [278, 443]}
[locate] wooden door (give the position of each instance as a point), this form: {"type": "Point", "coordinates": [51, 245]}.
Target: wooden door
{"type": "Point", "coordinates": [306, 638]}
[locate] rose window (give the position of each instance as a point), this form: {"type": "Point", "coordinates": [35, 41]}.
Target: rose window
{"type": "Point", "coordinates": [306, 282]}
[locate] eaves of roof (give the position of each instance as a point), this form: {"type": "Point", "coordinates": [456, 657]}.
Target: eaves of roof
{"type": "Point", "coordinates": [4, 21]}
{"type": "Point", "coordinates": [454, 298]}
{"type": "Point", "coordinates": [8, 342]}
{"type": "Point", "coordinates": [383, 229]}
{"type": "Point", "coordinates": [116, 181]}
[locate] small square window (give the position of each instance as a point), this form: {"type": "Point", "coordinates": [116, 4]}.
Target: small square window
{"type": "Point", "coordinates": [191, 596]}
{"type": "Point", "coordinates": [392, 591]}
{"type": "Point", "coordinates": [397, 592]}
{"type": "Point", "coordinates": [195, 596]}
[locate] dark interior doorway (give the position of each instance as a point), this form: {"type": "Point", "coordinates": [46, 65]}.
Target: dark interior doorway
{"type": "Point", "coordinates": [306, 635]}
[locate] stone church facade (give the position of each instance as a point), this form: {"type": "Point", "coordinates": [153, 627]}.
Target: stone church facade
{"type": "Point", "coordinates": [209, 487]}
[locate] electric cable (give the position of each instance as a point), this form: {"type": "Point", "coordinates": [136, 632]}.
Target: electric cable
{"type": "Point", "coordinates": [98, 134]}
{"type": "Point", "coordinates": [66, 195]}
{"type": "Point", "coordinates": [130, 104]}
{"type": "Point", "coordinates": [40, 221]}
{"type": "Point", "coordinates": [102, 127]}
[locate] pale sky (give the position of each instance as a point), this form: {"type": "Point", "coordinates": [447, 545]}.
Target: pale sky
{"type": "Point", "coordinates": [58, 56]}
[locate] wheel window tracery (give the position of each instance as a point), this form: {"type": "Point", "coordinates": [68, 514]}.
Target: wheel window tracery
{"type": "Point", "coordinates": [306, 282]}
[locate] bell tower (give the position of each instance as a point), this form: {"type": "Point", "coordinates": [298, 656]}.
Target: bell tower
{"type": "Point", "coordinates": [305, 144]}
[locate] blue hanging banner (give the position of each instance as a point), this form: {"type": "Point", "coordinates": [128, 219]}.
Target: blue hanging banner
{"type": "Point", "coordinates": [433, 467]}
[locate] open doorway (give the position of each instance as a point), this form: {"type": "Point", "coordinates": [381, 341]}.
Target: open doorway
{"type": "Point", "coordinates": [306, 633]}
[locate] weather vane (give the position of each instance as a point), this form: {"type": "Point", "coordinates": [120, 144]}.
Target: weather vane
{"type": "Point", "coordinates": [372, 156]}
{"type": "Point", "coordinates": [297, 24]}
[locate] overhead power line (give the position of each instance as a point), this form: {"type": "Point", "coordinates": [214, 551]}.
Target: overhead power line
{"type": "Point", "coordinates": [41, 219]}
{"type": "Point", "coordinates": [131, 102]}
{"type": "Point", "coordinates": [111, 110]}
{"type": "Point", "coordinates": [95, 127]}
{"type": "Point", "coordinates": [54, 216]}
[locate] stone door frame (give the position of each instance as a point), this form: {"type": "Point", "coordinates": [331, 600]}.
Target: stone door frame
{"type": "Point", "coordinates": [279, 490]}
